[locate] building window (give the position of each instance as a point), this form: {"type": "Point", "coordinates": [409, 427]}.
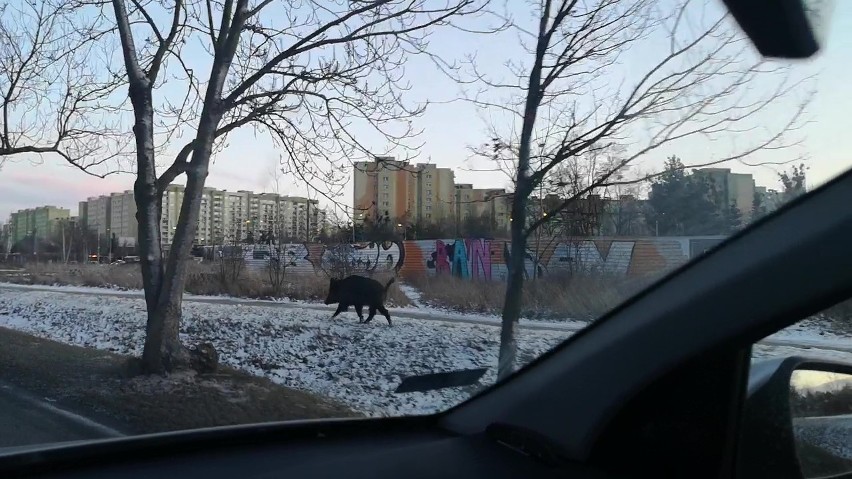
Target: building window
{"type": "Point", "coordinates": [384, 203]}
{"type": "Point", "coordinates": [428, 215]}
{"type": "Point", "coordinates": [428, 208]}
{"type": "Point", "coordinates": [384, 195]}
{"type": "Point", "coordinates": [387, 187]}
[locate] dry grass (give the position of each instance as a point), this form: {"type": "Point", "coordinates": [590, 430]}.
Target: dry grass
{"type": "Point", "coordinates": [582, 298]}
{"type": "Point", "coordinates": [203, 279]}
{"type": "Point", "coordinates": [578, 297]}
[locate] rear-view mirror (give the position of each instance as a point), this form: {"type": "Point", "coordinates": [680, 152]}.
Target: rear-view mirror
{"type": "Point", "coordinates": [783, 28]}
{"type": "Point", "coordinates": [797, 420]}
{"type": "Point", "coordinates": [821, 410]}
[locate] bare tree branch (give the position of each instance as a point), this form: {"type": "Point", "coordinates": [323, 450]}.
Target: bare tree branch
{"type": "Point", "coordinates": [51, 93]}
{"type": "Point", "coordinates": [577, 120]}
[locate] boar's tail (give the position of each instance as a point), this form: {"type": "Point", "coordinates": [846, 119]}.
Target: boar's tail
{"type": "Point", "coordinates": [389, 283]}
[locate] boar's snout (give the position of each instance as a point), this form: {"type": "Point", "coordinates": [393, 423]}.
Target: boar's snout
{"type": "Point", "coordinates": [332, 292]}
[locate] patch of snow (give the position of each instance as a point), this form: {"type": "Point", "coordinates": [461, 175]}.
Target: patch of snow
{"type": "Point", "coordinates": [71, 289]}
{"type": "Point", "coordinates": [412, 293]}
{"type": "Point", "coordinates": [812, 333]}
{"type": "Point", "coordinates": [423, 312]}
{"type": "Point", "coordinates": [764, 351]}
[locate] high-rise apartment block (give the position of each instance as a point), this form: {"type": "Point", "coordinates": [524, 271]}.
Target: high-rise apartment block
{"type": "Point", "coordinates": [400, 191]}
{"type": "Point", "coordinates": [731, 189]}
{"type": "Point", "coordinates": [492, 204]}
{"type": "Point", "coordinates": [225, 217]}
{"type": "Point", "coordinates": [96, 214]}
{"type": "Point", "coordinates": [41, 222]}
{"type": "Point", "coordinates": [122, 214]}
{"type": "Point", "coordinates": [422, 193]}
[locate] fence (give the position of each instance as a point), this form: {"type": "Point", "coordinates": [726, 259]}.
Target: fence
{"type": "Point", "coordinates": [486, 259]}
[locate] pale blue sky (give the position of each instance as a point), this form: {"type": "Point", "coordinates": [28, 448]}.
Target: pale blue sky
{"type": "Point", "coordinates": [449, 129]}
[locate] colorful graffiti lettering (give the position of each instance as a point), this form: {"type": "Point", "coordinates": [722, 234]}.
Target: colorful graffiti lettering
{"type": "Point", "coordinates": [485, 260]}
{"type": "Point", "coordinates": [464, 258]}
{"type": "Point", "coordinates": [479, 251]}
{"type": "Point", "coordinates": [360, 257]}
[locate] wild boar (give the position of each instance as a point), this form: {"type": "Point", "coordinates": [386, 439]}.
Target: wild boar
{"type": "Point", "coordinates": [359, 291]}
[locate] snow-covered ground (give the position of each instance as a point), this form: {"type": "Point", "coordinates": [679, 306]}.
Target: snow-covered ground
{"type": "Point", "coordinates": [300, 346]}
{"type": "Point", "coordinates": [360, 365]}
{"type": "Point", "coordinates": [832, 433]}
{"type": "Point", "coordinates": [416, 310]}
{"type": "Point", "coordinates": [412, 293]}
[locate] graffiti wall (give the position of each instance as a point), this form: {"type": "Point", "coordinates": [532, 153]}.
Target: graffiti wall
{"type": "Point", "coordinates": [482, 259]}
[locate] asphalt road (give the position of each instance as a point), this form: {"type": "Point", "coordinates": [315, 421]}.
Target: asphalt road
{"type": "Point", "coordinates": [27, 420]}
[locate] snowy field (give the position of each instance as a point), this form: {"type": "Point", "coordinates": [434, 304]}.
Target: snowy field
{"type": "Point", "coordinates": [359, 365]}
{"type": "Point", "coordinates": [300, 347]}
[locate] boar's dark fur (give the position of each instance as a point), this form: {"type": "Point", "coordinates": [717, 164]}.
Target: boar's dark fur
{"type": "Point", "coordinates": [359, 291]}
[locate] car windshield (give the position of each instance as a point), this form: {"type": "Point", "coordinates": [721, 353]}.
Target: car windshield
{"type": "Point", "coordinates": [224, 212]}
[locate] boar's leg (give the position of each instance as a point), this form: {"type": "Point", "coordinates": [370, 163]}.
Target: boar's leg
{"type": "Point", "coordinates": [360, 309]}
{"type": "Point", "coordinates": [372, 313]}
{"type": "Point", "coordinates": [384, 311]}
{"type": "Point", "coordinates": [340, 308]}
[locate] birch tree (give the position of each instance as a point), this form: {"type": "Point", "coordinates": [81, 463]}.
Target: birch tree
{"type": "Point", "coordinates": [604, 86]}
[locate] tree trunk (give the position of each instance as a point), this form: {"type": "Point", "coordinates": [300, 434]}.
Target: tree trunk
{"type": "Point", "coordinates": [514, 290]}
{"type": "Point", "coordinates": [148, 217]}
{"type": "Point", "coordinates": [523, 188]}
{"type": "Point", "coordinates": [163, 349]}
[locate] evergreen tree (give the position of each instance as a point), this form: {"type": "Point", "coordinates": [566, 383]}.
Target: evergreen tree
{"type": "Point", "coordinates": [682, 204]}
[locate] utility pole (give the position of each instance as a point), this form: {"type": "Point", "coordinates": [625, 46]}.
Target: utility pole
{"type": "Point", "coordinates": [62, 232]}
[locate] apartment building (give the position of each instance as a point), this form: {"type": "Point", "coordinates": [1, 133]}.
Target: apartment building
{"type": "Point", "coordinates": [731, 188]}
{"type": "Point", "coordinates": [122, 224]}
{"type": "Point", "coordinates": [383, 188]}
{"type": "Point", "coordinates": [42, 221]}
{"type": "Point", "coordinates": [435, 196]}
{"type": "Point", "coordinates": [225, 217]}
{"type": "Point", "coordinates": [491, 203]}
{"type": "Point", "coordinates": [400, 191]}
{"type": "Point", "coordinates": [96, 213]}
{"type": "Point", "coordinates": [770, 199]}
{"type": "Point", "coordinates": [5, 238]}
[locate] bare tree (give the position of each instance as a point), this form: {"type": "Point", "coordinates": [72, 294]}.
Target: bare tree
{"type": "Point", "coordinates": [54, 99]}
{"type": "Point", "coordinates": [578, 119]}
{"type": "Point", "coordinates": [231, 259]}
{"type": "Point", "coordinates": [309, 74]}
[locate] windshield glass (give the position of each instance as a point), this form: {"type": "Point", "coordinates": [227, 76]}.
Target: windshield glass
{"type": "Point", "coordinates": [343, 209]}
